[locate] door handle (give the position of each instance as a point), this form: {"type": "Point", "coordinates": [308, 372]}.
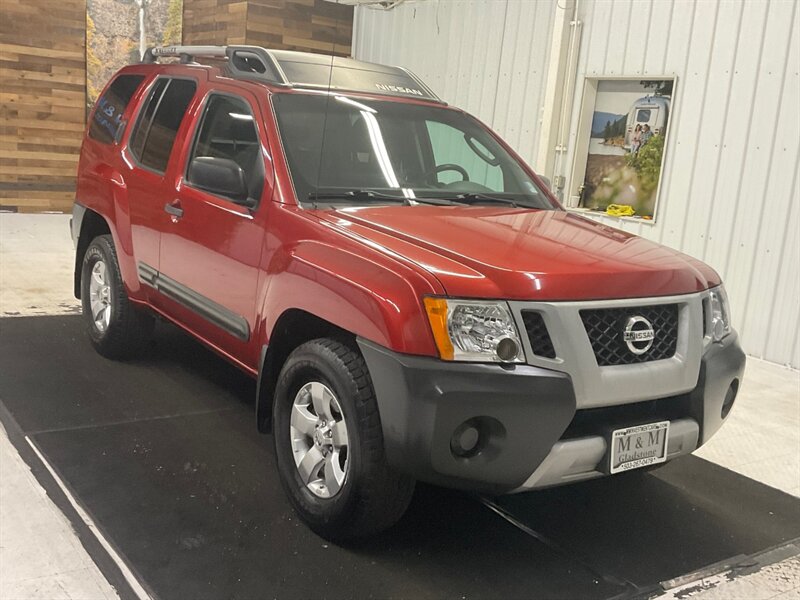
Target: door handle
{"type": "Point", "coordinates": [174, 209]}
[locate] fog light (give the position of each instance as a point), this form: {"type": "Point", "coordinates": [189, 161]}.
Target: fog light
{"type": "Point", "coordinates": [465, 440]}
{"type": "Point", "coordinates": [730, 396]}
{"type": "Point", "coordinates": [507, 349]}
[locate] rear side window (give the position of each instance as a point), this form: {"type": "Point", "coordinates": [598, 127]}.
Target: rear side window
{"type": "Point", "coordinates": [107, 118]}
{"type": "Point", "coordinates": [160, 120]}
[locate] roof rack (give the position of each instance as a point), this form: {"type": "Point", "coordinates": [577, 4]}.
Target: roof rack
{"type": "Point", "coordinates": [303, 70]}
{"type": "Point", "coordinates": [243, 61]}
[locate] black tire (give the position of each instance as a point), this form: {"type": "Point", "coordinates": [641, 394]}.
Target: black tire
{"type": "Point", "coordinates": [129, 328]}
{"type": "Point", "coordinates": [374, 495]}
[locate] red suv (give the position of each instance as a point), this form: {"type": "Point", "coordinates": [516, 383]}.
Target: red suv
{"type": "Point", "coordinates": [413, 301]}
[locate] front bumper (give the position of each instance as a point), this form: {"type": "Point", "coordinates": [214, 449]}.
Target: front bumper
{"type": "Point", "coordinates": [532, 434]}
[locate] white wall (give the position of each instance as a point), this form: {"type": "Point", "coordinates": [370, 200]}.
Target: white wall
{"type": "Point", "coordinates": [484, 57]}
{"type": "Point", "coordinates": [729, 192]}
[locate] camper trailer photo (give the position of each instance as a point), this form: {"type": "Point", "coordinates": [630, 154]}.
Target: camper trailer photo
{"type": "Point", "coordinates": [627, 145]}
{"type": "Point", "coordinates": [652, 111]}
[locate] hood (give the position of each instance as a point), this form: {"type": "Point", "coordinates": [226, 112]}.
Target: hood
{"type": "Point", "coordinates": [523, 254]}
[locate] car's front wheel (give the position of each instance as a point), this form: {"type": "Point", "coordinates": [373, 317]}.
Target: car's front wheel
{"type": "Point", "coordinates": [116, 328]}
{"type": "Point", "coordinates": [329, 444]}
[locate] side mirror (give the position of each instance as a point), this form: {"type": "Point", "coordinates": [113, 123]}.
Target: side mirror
{"type": "Point", "coordinates": [220, 176]}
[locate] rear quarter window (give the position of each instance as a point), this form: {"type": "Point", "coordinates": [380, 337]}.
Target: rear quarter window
{"type": "Point", "coordinates": [106, 120]}
{"type": "Point", "coordinates": [158, 124]}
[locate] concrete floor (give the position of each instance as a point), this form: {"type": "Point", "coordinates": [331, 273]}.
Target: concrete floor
{"type": "Point", "coordinates": [40, 557]}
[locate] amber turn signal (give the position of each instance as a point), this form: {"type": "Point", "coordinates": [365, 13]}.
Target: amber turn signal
{"type": "Point", "coordinates": [437, 315]}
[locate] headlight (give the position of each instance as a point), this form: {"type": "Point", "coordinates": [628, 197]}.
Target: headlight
{"type": "Point", "coordinates": [474, 330]}
{"type": "Point", "coordinates": [720, 313]}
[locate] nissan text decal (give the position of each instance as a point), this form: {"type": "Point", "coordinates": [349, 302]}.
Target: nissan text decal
{"type": "Point", "coordinates": [385, 87]}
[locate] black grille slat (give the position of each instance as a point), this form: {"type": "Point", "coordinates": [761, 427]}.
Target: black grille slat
{"type": "Point", "coordinates": [605, 326]}
{"type": "Point", "coordinates": [541, 344]}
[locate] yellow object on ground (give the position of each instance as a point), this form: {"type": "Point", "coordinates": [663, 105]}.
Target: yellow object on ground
{"type": "Point", "coordinates": [620, 210]}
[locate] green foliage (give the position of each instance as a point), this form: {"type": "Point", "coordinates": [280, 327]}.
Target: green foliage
{"type": "Point", "coordinates": [615, 129]}
{"type": "Point", "coordinates": [660, 87]}
{"type": "Point", "coordinates": [174, 25]}
{"type": "Point", "coordinates": [647, 164]}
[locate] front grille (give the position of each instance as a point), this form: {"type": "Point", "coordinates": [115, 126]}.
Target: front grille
{"type": "Point", "coordinates": [541, 344]}
{"type": "Point", "coordinates": [605, 328]}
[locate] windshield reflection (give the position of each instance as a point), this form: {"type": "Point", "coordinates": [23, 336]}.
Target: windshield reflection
{"type": "Point", "coordinates": [346, 150]}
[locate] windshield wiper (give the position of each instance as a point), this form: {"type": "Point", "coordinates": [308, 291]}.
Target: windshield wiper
{"type": "Point", "coordinates": [357, 195]}
{"type": "Point", "coordinates": [473, 198]}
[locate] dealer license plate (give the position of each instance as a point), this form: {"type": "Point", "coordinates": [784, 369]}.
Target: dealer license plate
{"type": "Point", "coordinates": [639, 446]}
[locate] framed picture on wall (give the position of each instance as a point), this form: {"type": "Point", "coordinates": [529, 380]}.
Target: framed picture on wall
{"type": "Point", "coordinates": [622, 140]}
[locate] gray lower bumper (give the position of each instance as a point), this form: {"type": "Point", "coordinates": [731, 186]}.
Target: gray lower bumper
{"type": "Point", "coordinates": [583, 458]}
{"type": "Point", "coordinates": [524, 415]}
{"type": "Point", "coordinates": [521, 412]}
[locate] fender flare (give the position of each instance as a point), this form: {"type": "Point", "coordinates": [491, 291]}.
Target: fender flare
{"type": "Point", "coordinates": [324, 290]}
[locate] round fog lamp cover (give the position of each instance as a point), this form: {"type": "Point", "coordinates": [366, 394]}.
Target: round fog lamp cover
{"type": "Point", "coordinates": [465, 440]}
{"type": "Point", "coordinates": [507, 349]}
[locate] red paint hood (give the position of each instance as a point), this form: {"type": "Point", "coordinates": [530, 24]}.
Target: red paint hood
{"type": "Point", "coordinates": [491, 252]}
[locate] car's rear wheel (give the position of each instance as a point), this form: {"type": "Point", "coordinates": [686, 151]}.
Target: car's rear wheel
{"type": "Point", "coordinates": [116, 328]}
{"type": "Point", "coordinates": [329, 444]}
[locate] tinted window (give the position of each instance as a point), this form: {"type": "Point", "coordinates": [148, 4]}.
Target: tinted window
{"type": "Point", "coordinates": [159, 123]}
{"type": "Point", "coordinates": [107, 117]}
{"type": "Point", "coordinates": [643, 116]}
{"type": "Point", "coordinates": [228, 131]}
{"type": "Point", "coordinates": [146, 116]}
{"type": "Point", "coordinates": [340, 144]}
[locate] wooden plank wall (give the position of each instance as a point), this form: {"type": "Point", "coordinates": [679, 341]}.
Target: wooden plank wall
{"type": "Point", "coordinates": [215, 22]}
{"type": "Point", "coordinates": [42, 102]}
{"type": "Point", "coordinates": [308, 25]}
{"type": "Point", "coordinates": [43, 75]}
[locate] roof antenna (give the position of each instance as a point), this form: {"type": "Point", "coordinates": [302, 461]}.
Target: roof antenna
{"type": "Point", "coordinates": [327, 105]}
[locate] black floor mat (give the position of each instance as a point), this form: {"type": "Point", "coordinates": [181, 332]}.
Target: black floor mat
{"type": "Point", "coordinates": [164, 454]}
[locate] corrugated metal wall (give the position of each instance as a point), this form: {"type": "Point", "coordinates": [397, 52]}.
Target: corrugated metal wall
{"type": "Point", "coordinates": [484, 57]}
{"type": "Point", "coordinates": [729, 192]}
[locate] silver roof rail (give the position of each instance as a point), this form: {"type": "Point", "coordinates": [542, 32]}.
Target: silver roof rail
{"type": "Point", "coordinates": [186, 53]}
{"type": "Point", "coordinates": [248, 62]}
{"type": "Point", "coordinates": [305, 69]}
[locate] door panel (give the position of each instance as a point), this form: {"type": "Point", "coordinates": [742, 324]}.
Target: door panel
{"type": "Point", "coordinates": [148, 154]}
{"type": "Point", "coordinates": [212, 252]}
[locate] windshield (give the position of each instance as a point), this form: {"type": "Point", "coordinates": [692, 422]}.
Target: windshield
{"type": "Point", "coordinates": [369, 151]}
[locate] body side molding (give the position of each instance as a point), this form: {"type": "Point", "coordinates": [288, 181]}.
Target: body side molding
{"type": "Point", "coordinates": [215, 313]}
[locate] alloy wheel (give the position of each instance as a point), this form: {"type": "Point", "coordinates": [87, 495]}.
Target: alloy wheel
{"type": "Point", "coordinates": [319, 439]}
{"type": "Point", "coordinates": [100, 296]}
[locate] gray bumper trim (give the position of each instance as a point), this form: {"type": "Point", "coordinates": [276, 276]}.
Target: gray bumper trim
{"type": "Point", "coordinates": [581, 458]}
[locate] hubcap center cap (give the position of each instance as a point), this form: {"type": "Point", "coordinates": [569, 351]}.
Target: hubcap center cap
{"type": "Point", "coordinates": [322, 435]}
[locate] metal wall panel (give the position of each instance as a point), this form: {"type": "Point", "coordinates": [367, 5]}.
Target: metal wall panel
{"type": "Point", "coordinates": [729, 192]}
{"type": "Point", "coordinates": [488, 57]}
